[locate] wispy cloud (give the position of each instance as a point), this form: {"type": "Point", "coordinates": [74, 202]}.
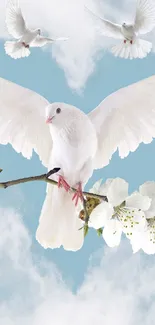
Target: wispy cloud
{"type": "Point", "coordinates": [79, 55]}
{"type": "Point", "coordinates": [118, 287]}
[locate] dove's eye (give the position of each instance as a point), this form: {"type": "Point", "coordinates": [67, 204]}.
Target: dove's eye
{"type": "Point", "coordinates": [58, 110]}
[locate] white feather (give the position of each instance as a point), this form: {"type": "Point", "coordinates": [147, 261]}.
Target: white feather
{"type": "Point", "coordinates": [16, 49]}
{"type": "Point", "coordinates": [40, 41]}
{"type": "Point", "coordinates": [124, 120]}
{"type": "Point", "coordinates": [22, 121]}
{"type": "Point", "coordinates": [14, 19]}
{"type": "Point", "coordinates": [109, 28]}
{"type": "Point", "coordinates": [138, 49]}
{"type": "Point", "coordinates": [145, 16]}
{"type": "Point", "coordinates": [59, 222]}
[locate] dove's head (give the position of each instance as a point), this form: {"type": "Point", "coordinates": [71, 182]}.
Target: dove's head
{"type": "Point", "coordinates": [37, 31]}
{"type": "Point", "coordinates": [59, 115]}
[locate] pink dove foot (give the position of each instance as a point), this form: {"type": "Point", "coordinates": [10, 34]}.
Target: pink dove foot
{"type": "Point", "coordinates": [63, 183]}
{"type": "Point", "coordinates": [131, 42]}
{"type": "Point", "coordinates": [78, 195]}
{"type": "Point", "coordinates": [125, 41]}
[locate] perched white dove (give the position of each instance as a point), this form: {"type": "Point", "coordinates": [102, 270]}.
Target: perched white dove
{"type": "Point", "coordinates": [75, 142]}
{"type": "Point", "coordinates": [130, 45]}
{"type": "Point", "coordinates": [26, 38]}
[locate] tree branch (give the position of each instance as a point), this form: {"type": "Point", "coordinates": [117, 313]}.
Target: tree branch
{"type": "Point", "coordinates": [45, 178]}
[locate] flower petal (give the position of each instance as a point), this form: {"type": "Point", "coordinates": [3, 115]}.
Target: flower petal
{"type": "Point", "coordinates": [138, 201]}
{"type": "Point", "coordinates": [148, 189]}
{"type": "Point", "coordinates": [96, 187]}
{"type": "Point", "coordinates": [136, 241]}
{"type": "Point", "coordinates": [144, 240]}
{"type": "Point", "coordinates": [118, 191]}
{"type": "Point", "coordinates": [151, 211]}
{"type": "Point", "coordinates": [133, 220]}
{"type": "Point", "coordinates": [104, 187]}
{"type": "Point", "coordinates": [100, 215]}
{"type": "Point", "coordinates": [112, 233]}
{"type": "Point", "coordinates": [148, 245]}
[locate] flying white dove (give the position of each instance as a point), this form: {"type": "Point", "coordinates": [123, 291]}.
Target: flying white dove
{"type": "Point", "coordinates": [26, 38]}
{"type": "Point", "coordinates": [130, 45]}
{"type": "Point", "coordinates": [75, 142]}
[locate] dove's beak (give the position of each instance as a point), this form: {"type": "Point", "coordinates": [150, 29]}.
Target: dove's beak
{"type": "Point", "coordinates": [49, 120]}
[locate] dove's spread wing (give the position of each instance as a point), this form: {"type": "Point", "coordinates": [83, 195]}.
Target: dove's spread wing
{"type": "Point", "coordinates": [145, 16]}
{"type": "Point", "coordinates": [108, 28]}
{"type": "Point", "coordinates": [41, 41]}
{"type": "Point", "coordinates": [124, 120]}
{"type": "Point", "coordinates": [22, 121]}
{"type": "Point", "coordinates": [61, 39]}
{"type": "Point", "coordinates": [14, 19]}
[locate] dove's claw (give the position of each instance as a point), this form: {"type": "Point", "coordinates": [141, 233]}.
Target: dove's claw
{"type": "Point", "coordinates": [63, 183]}
{"type": "Point", "coordinates": [131, 42]}
{"type": "Point", "coordinates": [78, 195]}
{"type": "Point", "coordinates": [125, 41]}
{"type": "Point", "coordinates": [26, 45]}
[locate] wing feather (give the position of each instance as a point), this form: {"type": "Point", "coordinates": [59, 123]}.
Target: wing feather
{"type": "Point", "coordinates": [14, 19]}
{"type": "Point", "coordinates": [145, 16]}
{"type": "Point", "coordinates": [22, 121]}
{"type": "Point", "coordinates": [108, 28]}
{"type": "Point", "coordinates": [41, 41]}
{"type": "Point", "coordinates": [124, 119]}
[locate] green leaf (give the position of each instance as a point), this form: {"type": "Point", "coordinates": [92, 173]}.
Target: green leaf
{"type": "Point", "coordinates": [86, 229]}
{"type": "Point", "coordinates": [99, 231]}
{"type": "Point", "coordinates": [1, 170]}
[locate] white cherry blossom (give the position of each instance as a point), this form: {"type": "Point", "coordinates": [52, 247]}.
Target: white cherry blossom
{"type": "Point", "coordinates": [112, 232]}
{"type": "Point", "coordinates": [148, 189]}
{"type": "Point", "coordinates": [122, 213]}
{"type": "Point", "coordinates": [145, 240]}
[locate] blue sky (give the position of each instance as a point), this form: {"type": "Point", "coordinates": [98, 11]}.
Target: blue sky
{"type": "Point", "coordinates": [95, 268]}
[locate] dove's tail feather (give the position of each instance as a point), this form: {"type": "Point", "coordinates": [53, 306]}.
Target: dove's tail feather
{"type": "Point", "coordinates": [16, 50]}
{"type": "Point", "coordinates": [59, 222]}
{"type": "Point", "coordinates": [138, 49]}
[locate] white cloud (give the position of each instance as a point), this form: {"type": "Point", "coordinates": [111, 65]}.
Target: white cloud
{"type": "Point", "coordinates": [118, 286]}
{"type": "Point", "coordinates": [79, 55]}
